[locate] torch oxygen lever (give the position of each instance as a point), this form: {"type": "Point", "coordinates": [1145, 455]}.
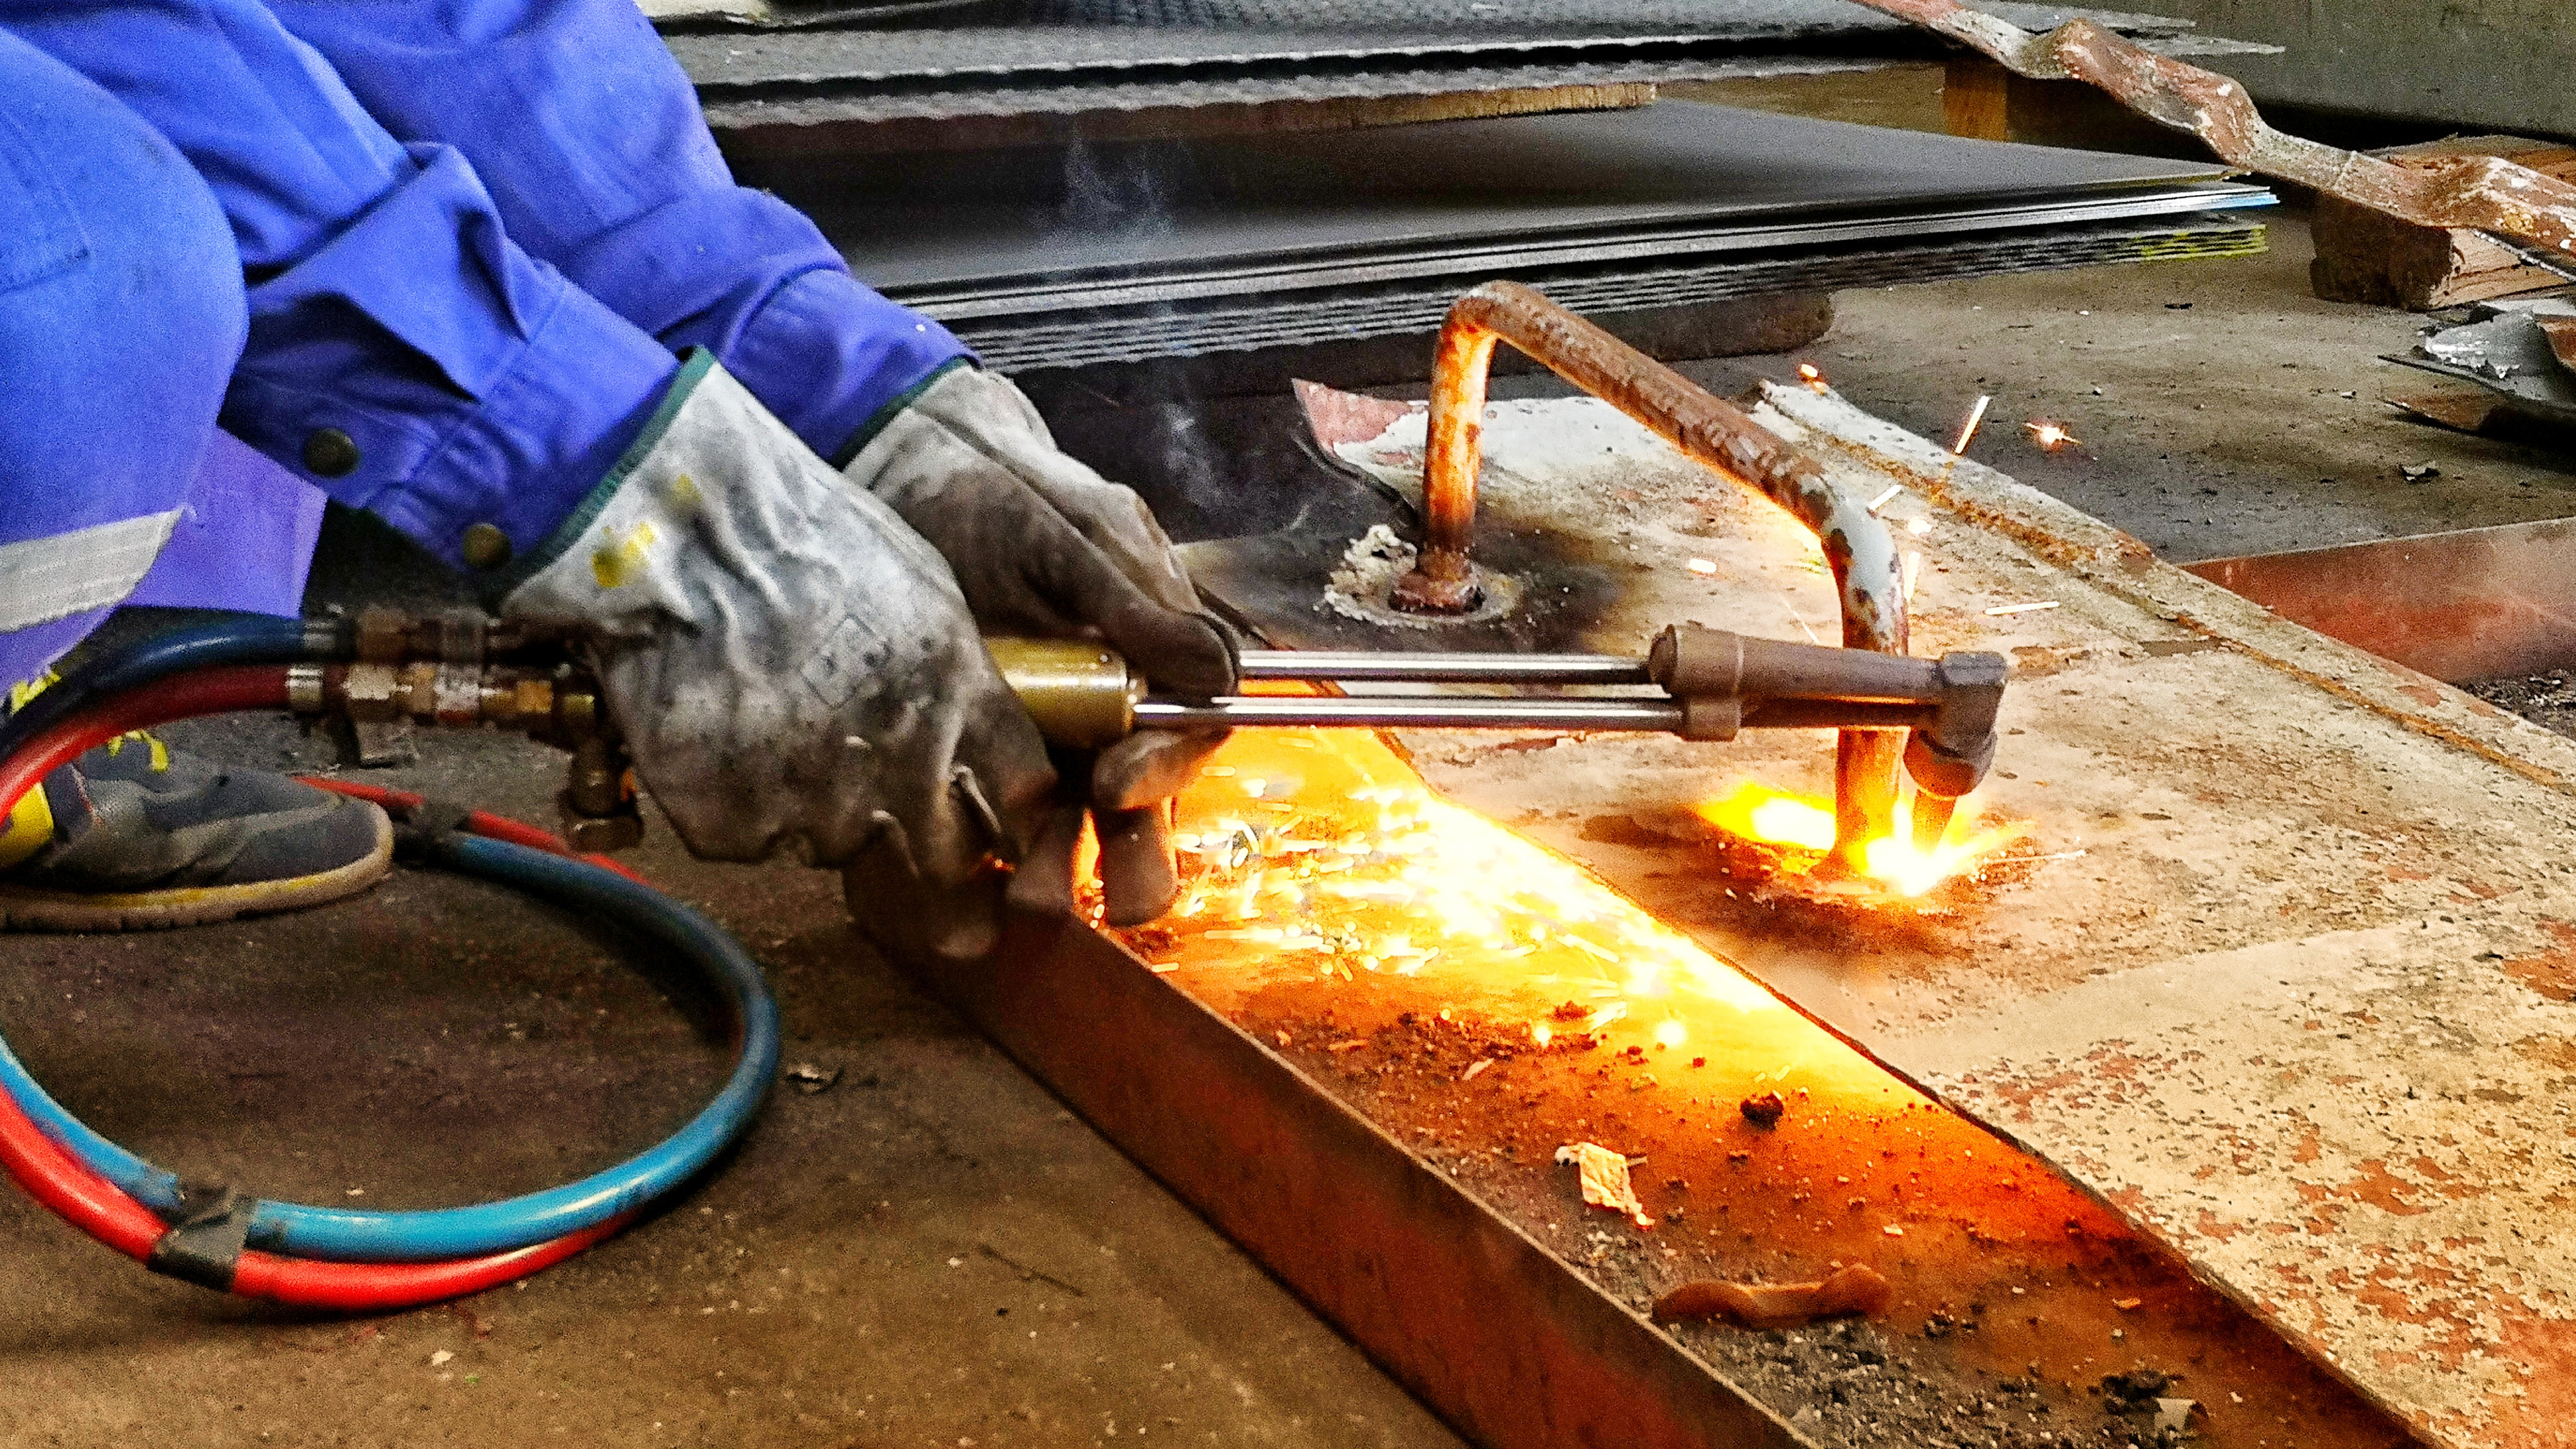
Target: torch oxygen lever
{"type": "Point", "coordinates": [1706, 684]}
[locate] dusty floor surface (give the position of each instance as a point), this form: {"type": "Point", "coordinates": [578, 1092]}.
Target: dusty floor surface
{"type": "Point", "coordinates": [2222, 409]}
{"type": "Point", "coordinates": [2544, 699]}
{"type": "Point", "coordinates": [931, 1252]}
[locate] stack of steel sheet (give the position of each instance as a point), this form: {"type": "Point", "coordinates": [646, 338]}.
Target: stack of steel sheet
{"type": "Point", "coordinates": [1113, 254]}
{"type": "Point", "coordinates": [760, 65]}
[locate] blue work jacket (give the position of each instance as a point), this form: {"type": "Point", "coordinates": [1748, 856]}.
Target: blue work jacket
{"type": "Point", "coordinates": [473, 235]}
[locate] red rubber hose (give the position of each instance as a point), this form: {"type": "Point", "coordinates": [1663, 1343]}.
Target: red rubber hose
{"type": "Point", "coordinates": [89, 1202]}
{"type": "Point", "coordinates": [208, 691]}
{"type": "Point", "coordinates": [480, 822]}
{"type": "Point", "coordinates": [71, 1191]}
{"type": "Point", "coordinates": [375, 1287]}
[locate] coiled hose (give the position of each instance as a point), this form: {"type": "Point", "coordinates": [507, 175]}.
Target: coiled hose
{"type": "Point", "coordinates": [334, 1257]}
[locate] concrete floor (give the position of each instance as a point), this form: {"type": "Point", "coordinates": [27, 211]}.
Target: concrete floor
{"type": "Point", "coordinates": [932, 1252]}
{"type": "Point", "coordinates": [2221, 408]}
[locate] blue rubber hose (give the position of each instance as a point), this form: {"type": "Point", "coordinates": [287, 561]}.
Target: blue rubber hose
{"type": "Point", "coordinates": [258, 639]}
{"type": "Point", "coordinates": [344, 1235]}
{"type": "Point", "coordinates": [351, 1236]}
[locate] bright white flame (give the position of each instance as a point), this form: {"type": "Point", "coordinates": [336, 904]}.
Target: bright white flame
{"type": "Point", "coordinates": [1775, 817]}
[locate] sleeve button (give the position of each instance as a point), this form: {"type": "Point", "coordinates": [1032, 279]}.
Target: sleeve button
{"type": "Point", "coordinates": [486, 546]}
{"type": "Point", "coordinates": [330, 453]}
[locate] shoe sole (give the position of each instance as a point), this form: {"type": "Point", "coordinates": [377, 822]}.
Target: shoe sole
{"type": "Point", "coordinates": [22, 909]}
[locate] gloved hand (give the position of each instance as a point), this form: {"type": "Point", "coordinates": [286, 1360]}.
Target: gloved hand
{"type": "Point", "coordinates": [1041, 544]}
{"type": "Point", "coordinates": [793, 667]}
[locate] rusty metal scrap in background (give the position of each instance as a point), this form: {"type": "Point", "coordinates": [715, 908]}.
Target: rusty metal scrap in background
{"type": "Point", "coordinates": [2471, 604]}
{"type": "Point", "coordinates": [2529, 210]}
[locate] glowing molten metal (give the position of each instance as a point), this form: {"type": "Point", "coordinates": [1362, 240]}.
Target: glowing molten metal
{"type": "Point", "coordinates": [1804, 827]}
{"type": "Point", "coordinates": [1320, 853]}
{"type": "Point", "coordinates": [1325, 848]}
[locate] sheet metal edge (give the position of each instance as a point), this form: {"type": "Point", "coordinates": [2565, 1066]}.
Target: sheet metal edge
{"type": "Point", "coordinates": [1488, 1328]}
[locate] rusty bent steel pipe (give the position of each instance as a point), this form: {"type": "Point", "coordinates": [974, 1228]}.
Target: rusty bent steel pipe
{"type": "Point", "coordinates": [1857, 545]}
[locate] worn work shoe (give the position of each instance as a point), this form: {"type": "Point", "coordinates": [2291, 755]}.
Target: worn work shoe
{"type": "Point", "coordinates": [135, 835]}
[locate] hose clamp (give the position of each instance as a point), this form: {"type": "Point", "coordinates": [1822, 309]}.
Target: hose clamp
{"type": "Point", "coordinates": [205, 1245]}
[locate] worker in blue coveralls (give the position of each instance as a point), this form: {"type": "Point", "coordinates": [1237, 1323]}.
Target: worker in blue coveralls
{"type": "Point", "coordinates": [476, 267]}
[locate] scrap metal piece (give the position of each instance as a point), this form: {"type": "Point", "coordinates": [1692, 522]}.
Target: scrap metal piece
{"type": "Point", "coordinates": [2560, 329]}
{"type": "Point", "coordinates": [1853, 1288]}
{"type": "Point", "coordinates": [1857, 545]}
{"type": "Point", "coordinates": [2466, 412]}
{"type": "Point", "coordinates": [2503, 340]}
{"type": "Point", "coordinates": [2362, 256]}
{"type": "Point", "coordinates": [2475, 603]}
{"type": "Point", "coordinates": [2510, 349]}
{"type": "Point", "coordinates": [2531, 211]}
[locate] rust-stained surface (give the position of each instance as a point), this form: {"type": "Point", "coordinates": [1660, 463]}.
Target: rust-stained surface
{"type": "Point", "coordinates": [2480, 193]}
{"type": "Point", "coordinates": [2470, 604]}
{"type": "Point", "coordinates": [1490, 1006]}
{"type": "Point", "coordinates": [1461, 1307]}
{"type": "Point", "coordinates": [2284, 969]}
{"type": "Point", "coordinates": [1857, 546]}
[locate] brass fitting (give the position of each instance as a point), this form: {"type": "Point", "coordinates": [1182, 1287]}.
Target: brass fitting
{"type": "Point", "coordinates": [597, 804]}
{"type": "Point", "coordinates": [437, 671]}
{"type": "Point", "coordinates": [1081, 694]}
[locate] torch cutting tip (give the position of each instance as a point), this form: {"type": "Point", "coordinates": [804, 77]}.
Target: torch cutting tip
{"type": "Point", "coordinates": [1932, 820]}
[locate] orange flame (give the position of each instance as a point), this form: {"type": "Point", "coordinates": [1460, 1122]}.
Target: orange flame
{"type": "Point", "coordinates": [1805, 824]}
{"type": "Point", "coordinates": [1325, 848]}
{"type": "Point", "coordinates": [1320, 855]}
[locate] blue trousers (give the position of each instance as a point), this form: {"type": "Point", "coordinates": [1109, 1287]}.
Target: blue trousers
{"type": "Point", "coordinates": [121, 316]}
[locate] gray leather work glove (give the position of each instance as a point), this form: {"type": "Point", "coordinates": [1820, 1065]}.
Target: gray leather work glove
{"type": "Point", "coordinates": [1043, 545]}
{"type": "Point", "coordinates": [793, 667]}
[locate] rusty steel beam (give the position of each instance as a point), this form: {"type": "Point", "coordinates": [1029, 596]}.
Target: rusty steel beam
{"type": "Point", "coordinates": [1483, 1324]}
{"type": "Point", "coordinates": [1858, 547]}
{"type": "Point", "coordinates": [2530, 211]}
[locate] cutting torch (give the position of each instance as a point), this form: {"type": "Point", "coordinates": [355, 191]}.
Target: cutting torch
{"type": "Point", "coordinates": [1695, 682]}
